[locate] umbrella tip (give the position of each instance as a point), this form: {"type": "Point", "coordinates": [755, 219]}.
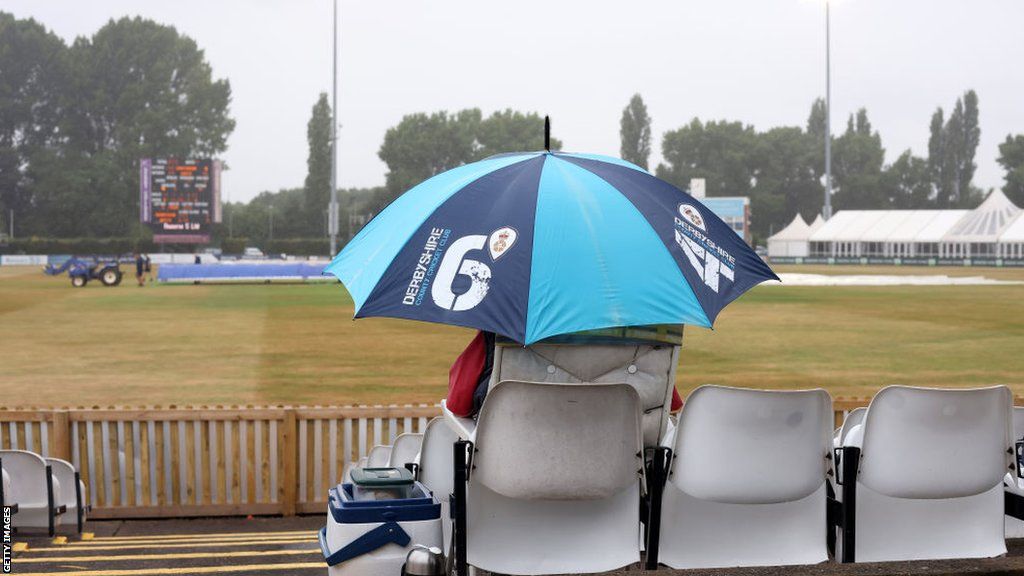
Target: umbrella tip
{"type": "Point", "coordinates": [547, 133]}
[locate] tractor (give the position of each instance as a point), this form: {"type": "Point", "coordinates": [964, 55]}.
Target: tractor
{"type": "Point", "coordinates": [82, 271]}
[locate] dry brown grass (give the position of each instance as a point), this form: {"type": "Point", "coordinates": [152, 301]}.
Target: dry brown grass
{"type": "Point", "coordinates": [297, 344]}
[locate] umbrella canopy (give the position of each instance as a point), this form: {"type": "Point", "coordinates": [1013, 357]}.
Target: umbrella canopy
{"type": "Point", "coordinates": [531, 245]}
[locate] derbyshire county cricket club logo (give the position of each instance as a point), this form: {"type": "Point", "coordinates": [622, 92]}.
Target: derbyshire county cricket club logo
{"type": "Point", "coordinates": [692, 215]}
{"type": "Point", "coordinates": [500, 241]}
{"type": "Point", "coordinates": [710, 261]}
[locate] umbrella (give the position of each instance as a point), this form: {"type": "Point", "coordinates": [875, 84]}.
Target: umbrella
{"type": "Point", "coordinates": [532, 245]}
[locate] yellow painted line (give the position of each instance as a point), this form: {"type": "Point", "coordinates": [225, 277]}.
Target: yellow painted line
{"type": "Point", "coordinates": [159, 541]}
{"type": "Point", "coordinates": [19, 547]}
{"type": "Point", "coordinates": [59, 540]}
{"type": "Point", "coordinates": [202, 536]}
{"type": "Point", "coordinates": [255, 568]}
{"type": "Point", "coordinates": [177, 556]}
{"type": "Point", "coordinates": [178, 545]}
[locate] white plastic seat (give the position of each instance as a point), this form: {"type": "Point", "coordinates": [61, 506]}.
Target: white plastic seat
{"type": "Point", "coordinates": [361, 463]}
{"type": "Point", "coordinates": [555, 481]}
{"type": "Point", "coordinates": [404, 450]}
{"type": "Point", "coordinates": [650, 368]}
{"type": "Point", "coordinates": [747, 483]}
{"type": "Point", "coordinates": [37, 506]}
{"type": "Point", "coordinates": [6, 498]}
{"type": "Point", "coordinates": [378, 457]}
{"type": "Point", "coordinates": [930, 478]}
{"type": "Point", "coordinates": [854, 418]}
{"type": "Point", "coordinates": [435, 471]}
{"type": "Point", "coordinates": [1014, 484]}
{"type": "Point", "coordinates": [72, 490]}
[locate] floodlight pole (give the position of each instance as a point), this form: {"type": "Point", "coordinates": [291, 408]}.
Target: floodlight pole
{"type": "Point", "coordinates": [332, 221]}
{"type": "Point", "coordinates": [826, 211]}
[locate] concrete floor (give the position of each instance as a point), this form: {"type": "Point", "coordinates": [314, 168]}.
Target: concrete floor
{"type": "Point", "coordinates": [273, 546]}
{"type": "Point", "coordinates": [284, 546]}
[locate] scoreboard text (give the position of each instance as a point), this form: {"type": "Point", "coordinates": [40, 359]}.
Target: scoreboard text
{"type": "Point", "coordinates": [179, 198]}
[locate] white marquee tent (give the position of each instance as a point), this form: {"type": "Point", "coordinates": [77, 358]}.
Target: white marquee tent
{"type": "Point", "coordinates": [978, 233]}
{"type": "Point", "coordinates": [791, 241]}
{"type": "Point", "coordinates": [1011, 243]}
{"type": "Point", "coordinates": [995, 229]}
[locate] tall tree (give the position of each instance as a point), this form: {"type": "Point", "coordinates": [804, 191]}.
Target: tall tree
{"type": "Point", "coordinates": [817, 122]}
{"type": "Point", "coordinates": [1011, 158]}
{"type": "Point", "coordinates": [951, 149]}
{"type": "Point", "coordinates": [511, 131]}
{"type": "Point", "coordinates": [317, 190]}
{"type": "Point", "coordinates": [857, 160]}
{"type": "Point", "coordinates": [635, 132]}
{"type": "Point", "coordinates": [720, 152]}
{"type": "Point", "coordinates": [33, 77]}
{"type": "Point", "coordinates": [937, 165]}
{"type": "Point", "coordinates": [906, 183]}
{"type": "Point", "coordinates": [964, 135]}
{"type": "Point", "coordinates": [785, 179]}
{"type": "Point", "coordinates": [422, 145]}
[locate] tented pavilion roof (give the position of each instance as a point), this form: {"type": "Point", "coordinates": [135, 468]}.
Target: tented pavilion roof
{"type": "Point", "coordinates": [888, 226]}
{"type": "Point", "coordinates": [987, 222]}
{"type": "Point", "coordinates": [797, 230]}
{"type": "Point", "coordinates": [940, 223]}
{"type": "Point", "coordinates": [1014, 232]}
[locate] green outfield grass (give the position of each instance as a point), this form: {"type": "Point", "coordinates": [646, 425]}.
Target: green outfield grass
{"type": "Point", "coordinates": [297, 344]}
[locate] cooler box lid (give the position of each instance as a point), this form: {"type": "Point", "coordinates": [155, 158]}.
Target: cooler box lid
{"type": "Point", "coordinates": [381, 477]}
{"type": "Point", "coordinates": [346, 509]}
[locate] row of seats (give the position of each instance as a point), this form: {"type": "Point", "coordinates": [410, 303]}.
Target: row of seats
{"type": "Point", "coordinates": [41, 492]}
{"type": "Point", "coordinates": [744, 478]}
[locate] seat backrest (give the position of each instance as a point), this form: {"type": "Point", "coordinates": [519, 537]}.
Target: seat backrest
{"type": "Point", "coordinates": [436, 458]}
{"type": "Point", "coordinates": [378, 457]}
{"type": "Point", "coordinates": [538, 441]}
{"type": "Point", "coordinates": [27, 472]}
{"type": "Point", "coordinates": [64, 472]}
{"type": "Point", "coordinates": [853, 418]}
{"type": "Point", "coordinates": [649, 368]}
{"type": "Point", "coordinates": [741, 446]}
{"type": "Point", "coordinates": [935, 443]}
{"type": "Point", "coordinates": [404, 450]}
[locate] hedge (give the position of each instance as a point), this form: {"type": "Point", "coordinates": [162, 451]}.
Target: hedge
{"type": "Point", "coordinates": [123, 245]}
{"type": "Point", "coordinates": [36, 245]}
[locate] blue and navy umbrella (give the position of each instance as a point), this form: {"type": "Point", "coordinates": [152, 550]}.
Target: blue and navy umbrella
{"type": "Point", "coordinates": [531, 245]}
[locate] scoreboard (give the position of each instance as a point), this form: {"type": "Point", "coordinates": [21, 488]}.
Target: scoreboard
{"type": "Point", "coordinates": [180, 198]}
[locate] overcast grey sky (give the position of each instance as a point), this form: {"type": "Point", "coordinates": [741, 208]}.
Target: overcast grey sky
{"type": "Point", "coordinates": [759, 61]}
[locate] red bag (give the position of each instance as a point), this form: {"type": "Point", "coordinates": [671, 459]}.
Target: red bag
{"type": "Point", "coordinates": [677, 401]}
{"type": "Point", "coordinates": [464, 376]}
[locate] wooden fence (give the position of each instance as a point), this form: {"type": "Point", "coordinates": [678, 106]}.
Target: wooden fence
{"type": "Point", "coordinates": [209, 461]}
{"type": "Point", "coordinates": [177, 462]}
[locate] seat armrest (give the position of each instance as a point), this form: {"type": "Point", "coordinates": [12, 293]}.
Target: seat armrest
{"type": "Point", "coordinates": [464, 427]}
{"type": "Point", "coordinates": [58, 510]}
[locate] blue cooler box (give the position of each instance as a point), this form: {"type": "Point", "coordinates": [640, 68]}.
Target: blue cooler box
{"type": "Point", "coordinates": [369, 536]}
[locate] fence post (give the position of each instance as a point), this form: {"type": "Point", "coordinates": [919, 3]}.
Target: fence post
{"type": "Point", "coordinates": [60, 435]}
{"type": "Point", "coordinates": [290, 461]}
